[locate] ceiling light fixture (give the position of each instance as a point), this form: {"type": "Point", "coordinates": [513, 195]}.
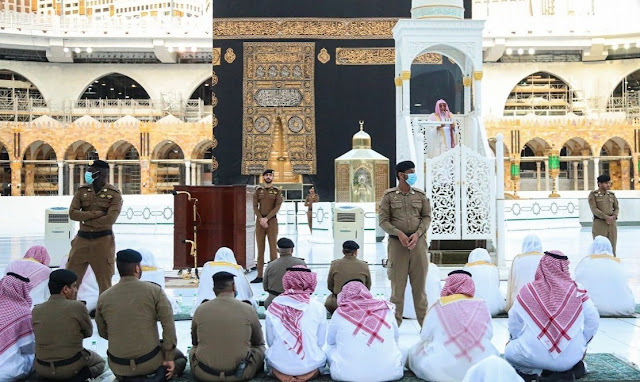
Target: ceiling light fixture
{"type": "Point", "coordinates": [509, 51]}
{"type": "Point", "coordinates": [532, 51]}
{"type": "Point", "coordinates": [89, 50]}
{"type": "Point", "coordinates": [77, 50]}
{"type": "Point", "coordinates": [520, 51]}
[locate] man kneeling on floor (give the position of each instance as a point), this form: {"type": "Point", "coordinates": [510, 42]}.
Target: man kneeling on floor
{"type": "Point", "coordinates": [228, 344]}
{"type": "Point", "coordinates": [127, 317]}
{"type": "Point", "coordinates": [59, 353]}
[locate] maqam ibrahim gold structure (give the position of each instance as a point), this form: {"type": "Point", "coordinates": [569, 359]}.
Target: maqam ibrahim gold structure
{"type": "Point", "coordinates": [361, 174]}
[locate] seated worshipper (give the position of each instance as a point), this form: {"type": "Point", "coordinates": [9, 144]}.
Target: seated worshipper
{"type": "Point", "coordinates": [34, 266]}
{"type": "Point", "coordinates": [362, 338]}
{"type": "Point", "coordinates": [127, 317]}
{"type": "Point", "coordinates": [88, 291]}
{"type": "Point", "coordinates": [296, 328]}
{"type": "Point", "coordinates": [443, 137]}
{"type": "Point", "coordinates": [59, 353]}
{"type": "Point", "coordinates": [227, 337]}
{"type": "Point", "coordinates": [523, 268]}
{"type": "Point", "coordinates": [456, 333]}
{"type": "Point", "coordinates": [487, 280]}
{"type": "Point", "coordinates": [17, 343]}
{"type": "Point", "coordinates": [432, 288]}
{"type": "Point", "coordinates": [492, 369]}
{"type": "Point", "coordinates": [342, 270]}
{"type": "Point", "coordinates": [603, 276]}
{"type": "Point", "coordinates": [272, 281]}
{"type": "Point", "coordinates": [551, 323]}
{"type": "Point", "coordinates": [152, 273]}
{"type": "Point", "coordinates": [224, 261]}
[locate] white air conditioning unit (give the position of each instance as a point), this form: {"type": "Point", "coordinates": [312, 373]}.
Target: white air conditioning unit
{"type": "Point", "coordinates": [58, 232]}
{"type": "Point", "coordinates": [348, 224]}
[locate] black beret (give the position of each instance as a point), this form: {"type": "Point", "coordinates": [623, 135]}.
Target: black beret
{"type": "Point", "coordinates": [62, 277]}
{"type": "Point", "coordinates": [222, 277]}
{"type": "Point", "coordinates": [285, 243]}
{"type": "Point", "coordinates": [604, 178]}
{"type": "Point", "coordinates": [129, 256]}
{"type": "Point", "coordinates": [404, 166]}
{"type": "Point", "coordinates": [99, 164]}
{"type": "Point", "coordinates": [461, 272]}
{"type": "Point", "coordinates": [351, 245]}
{"type": "Point", "coordinates": [267, 171]}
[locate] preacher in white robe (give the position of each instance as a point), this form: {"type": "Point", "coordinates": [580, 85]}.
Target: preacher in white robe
{"type": "Point", "coordinates": [362, 339]}
{"type": "Point", "coordinates": [523, 268]}
{"type": "Point", "coordinates": [552, 320]}
{"type": "Point", "coordinates": [444, 137]}
{"type": "Point", "coordinates": [296, 328]}
{"type": "Point", "coordinates": [456, 334]}
{"type": "Point", "coordinates": [34, 266]}
{"type": "Point", "coordinates": [224, 261]}
{"type": "Point", "coordinates": [486, 279]}
{"type": "Point", "coordinates": [17, 341]}
{"type": "Point", "coordinates": [604, 277]}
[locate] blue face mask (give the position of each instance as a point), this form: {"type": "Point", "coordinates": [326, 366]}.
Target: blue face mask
{"type": "Point", "coordinates": [235, 293]}
{"type": "Point", "coordinates": [88, 177]}
{"type": "Point", "coordinates": [411, 179]}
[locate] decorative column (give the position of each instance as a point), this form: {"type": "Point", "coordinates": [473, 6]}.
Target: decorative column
{"type": "Point", "coordinates": [16, 178]}
{"type": "Point", "coordinates": [500, 224]}
{"type": "Point", "coordinates": [596, 172]}
{"type": "Point", "coordinates": [187, 173]}
{"type": "Point", "coordinates": [112, 168]}
{"type": "Point", "coordinates": [198, 174]}
{"type": "Point", "coordinates": [636, 172]}
{"type": "Point", "coordinates": [60, 178]}
{"type": "Point", "coordinates": [146, 186]}
{"type": "Point", "coordinates": [466, 81]}
{"type": "Point", "coordinates": [194, 173]}
{"type": "Point", "coordinates": [625, 170]}
{"type": "Point", "coordinates": [29, 179]}
{"type": "Point", "coordinates": [71, 174]}
{"type": "Point", "coordinates": [406, 91]}
{"type": "Point", "coordinates": [538, 175]}
{"type": "Point", "coordinates": [477, 90]}
{"type": "Point", "coordinates": [575, 175]}
{"type": "Point", "coordinates": [120, 168]}
{"type": "Point", "coordinates": [398, 82]}
{"type": "Point", "coordinates": [546, 171]}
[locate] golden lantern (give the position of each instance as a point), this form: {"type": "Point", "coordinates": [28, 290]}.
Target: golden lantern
{"type": "Point", "coordinates": [554, 170]}
{"type": "Point", "coordinates": [515, 173]}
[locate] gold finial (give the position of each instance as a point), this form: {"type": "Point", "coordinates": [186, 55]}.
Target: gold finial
{"type": "Point", "coordinates": [361, 122]}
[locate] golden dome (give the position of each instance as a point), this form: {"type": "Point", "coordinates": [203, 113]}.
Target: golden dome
{"type": "Point", "coordinates": [361, 140]}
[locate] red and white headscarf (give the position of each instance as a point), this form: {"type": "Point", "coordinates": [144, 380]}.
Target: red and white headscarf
{"type": "Point", "coordinates": [357, 306]}
{"type": "Point", "coordinates": [15, 310]}
{"type": "Point", "coordinates": [464, 321]}
{"type": "Point", "coordinates": [442, 116]}
{"type": "Point", "coordinates": [34, 265]}
{"type": "Point", "coordinates": [553, 301]}
{"type": "Point", "coordinates": [290, 305]}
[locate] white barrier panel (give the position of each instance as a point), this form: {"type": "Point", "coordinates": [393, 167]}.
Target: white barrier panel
{"type": "Point", "coordinates": [322, 223]}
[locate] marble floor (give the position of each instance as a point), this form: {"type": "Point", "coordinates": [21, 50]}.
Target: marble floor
{"type": "Point", "coordinates": [620, 336]}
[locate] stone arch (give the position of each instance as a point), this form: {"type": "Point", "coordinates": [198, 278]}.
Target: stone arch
{"type": "Point", "coordinates": [575, 146]}
{"type": "Point", "coordinates": [22, 82]}
{"type": "Point", "coordinates": [167, 149]}
{"type": "Point", "coordinates": [101, 88]}
{"type": "Point", "coordinates": [541, 93]}
{"type": "Point", "coordinates": [81, 150]}
{"type": "Point", "coordinates": [121, 149]}
{"type": "Point", "coordinates": [537, 146]}
{"type": "Point", "coordinates": [620, 170]}
{"type": "Point", "coordinates": [625, 92]}
{"type": "Point", "coordinates": [39, 150]}
{"type": "Point", "coordinates": [615, 146]}
{"type": "Point", "coordinates": [206, 83]}
{"type": "Point", "coordinates": [443, 78]}
{"type": "Point", "coordinates": [202, 148]}
{"type": "Point", "coordinates": [463, 59]}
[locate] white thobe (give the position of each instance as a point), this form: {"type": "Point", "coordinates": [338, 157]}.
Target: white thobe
{"type": "Point", "coordinates": [604, 278]}
{"type": "Point", "coordinates": [438, 140]}
{"type": "Point", "coordinates": [16, 362]}
{"type": "Point", "coordinates": [351, 359]}
{"type": "Point", "coordinates": [523, 271]}
{"type": "Point", "coordinates": [40, 293]}
{"type": "Point", "coordinates": [430, 359]}
{"type": "Point", "coordinates": [492, 369]}
{"type": "Point", "coordinates": [487, 281]}
{"type": "Point", "coordinates": [528, 354]}
{"type": "Point", "coordinates": [432, 288]}
{"type": "Point", "coordinates": [205, 288]}
{"type": "Point", "coordinates": [313, 325]}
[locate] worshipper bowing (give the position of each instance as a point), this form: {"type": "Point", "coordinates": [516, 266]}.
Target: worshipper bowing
{"type": "Point", "coordinates": [224, 261]}
{"type": "Point", "coordinates": [296, 328]}
{"type": "Point", "coordinates": [486, 279]}
{"type": "Point", "coordinates": [605, 208]}
{"type": "Point", "coordinates": [456, 333]}
{"type": "Point", "coordinates": [405, 214]}
{"type": "Point", "coordinates": [127, 317]}
{"type": "Point", "coordinates": [34, 266]}
{"type": "Point", "coordinates": [342, 270]}
{"type": "Point", "coordinates": [59, 353]}
{"type": "Point", "coordinates": [276, 269]}
{"type": "Point", "coordinates": [523, 267]}
{"type": "Point", "coordinates": [226, 335]}
{"type": "Point", "coordinates": [551, 323]}
{"type": "Point", "coordinates": [362, 338]}
{"type": "Point", "coordinates": [17, 342]}
{"type": "Point", "coordinates": [492, 369]}
{"type": "Point", "coordinates": [443, 137]}
{"type": "Point", "coordinates": [266, 204]}
{"type": "Point", "coordinates": [96, 205]}
{"type": "Point", "coordinates": [88, 290]}
{"type": "Point", "coordinates": [432, 289]}
{"type": "Point", "coordinates": [604, 278]}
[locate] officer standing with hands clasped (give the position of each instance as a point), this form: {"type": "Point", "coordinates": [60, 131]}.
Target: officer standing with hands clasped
{"type": "Point", "coordinates": [605, 209]}
{"type": "Point", "coordinates": [266, 204]}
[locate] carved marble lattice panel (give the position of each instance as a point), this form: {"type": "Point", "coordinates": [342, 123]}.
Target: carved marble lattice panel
{"type": "Point", "coordinates": [381, 180]}
{"type": "Point", "coordinates": [478, 195]}
{"type": "Point", "coordinates": [443, 174]}
{"type": "Point", "coordinates": [278, 90]}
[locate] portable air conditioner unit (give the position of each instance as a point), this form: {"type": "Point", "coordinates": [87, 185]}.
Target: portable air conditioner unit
{"type": "Point", "coordinates": [58, 232]}
{"type": "Point", "coordinates": [348, 224]}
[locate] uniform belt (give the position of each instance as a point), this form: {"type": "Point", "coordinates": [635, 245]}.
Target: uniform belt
{"type": "Point", "coordinates": [214, 372]}
{"type": "Point", "coordinates": [273, 292]}
{"type": "Point", "coordinates": [94, 235]}
{"type": "Point", "coordinates": [137, 361]}
{"type": "Point", "coordinates": [396, 237]}
{"type": "Point", "coordinates": [61, 363]}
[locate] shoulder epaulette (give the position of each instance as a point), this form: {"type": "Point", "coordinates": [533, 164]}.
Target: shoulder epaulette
{"type": "Point", "coordinates": [423, 192]}
{"type": "Point", "coordinates": [389, 190]}
{"type": "Point", "coordinates": [156, 284]}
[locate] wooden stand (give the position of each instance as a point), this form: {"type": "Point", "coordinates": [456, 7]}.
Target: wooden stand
{"type": "Point", "coordinates": [225, 218]}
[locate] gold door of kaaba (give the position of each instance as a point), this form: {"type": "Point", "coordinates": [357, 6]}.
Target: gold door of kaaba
{"type": "Point", "coordinates": [279, 109]}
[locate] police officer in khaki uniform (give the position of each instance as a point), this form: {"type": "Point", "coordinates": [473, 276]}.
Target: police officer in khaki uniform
{"type": "Point", "coordinates": [272, 282]}
{"type": "Point", "coordinates": [266, 204]}
{"type": "Point", "coordinates": [59, 325]}
{"type": "Point", "coordinates": [227, 338]}
{"type": "Point", "coordinates": [308, 202]}
{"type": "Point", "coordinates": [96, 205]}
{"type": "Point", "coordinates": [405, 214]}
{"type": "Point", "coordinates": [127, 316]}
{"type": "Point", "coordinates": [348, 268]}
{"type": "Point", "coordinates": [605, 209]}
